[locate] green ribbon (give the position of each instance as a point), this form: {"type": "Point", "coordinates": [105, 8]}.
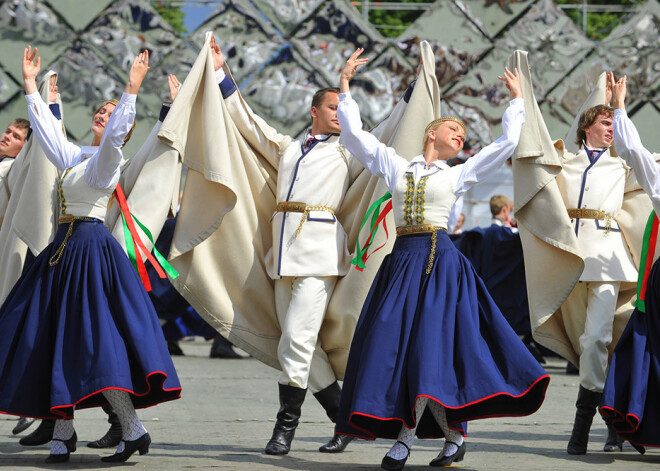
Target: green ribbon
{"type": "Point", "coordinates": [639, 303]}
{"type": "Point", "coordinates": [374, 211]}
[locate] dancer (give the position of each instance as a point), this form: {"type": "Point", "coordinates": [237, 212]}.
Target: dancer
{"type": "Point", "coordinates": [79, 318]}
{"type": "Point", "coordinates": [630, 397]}
{"type": "Point", "coordinates": [431, 349]}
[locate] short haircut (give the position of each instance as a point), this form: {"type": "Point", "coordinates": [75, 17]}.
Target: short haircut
{"type": "Point", "coordinates": [588, 118]}
{"type": "Point", "coordinates": [433, 125]}
{"type": "Point", "coordinates": [498, 202]}
{"type": "Point", "coordinates": [317, 99]}
{"type": "Point", "coordinates": [21, 123]}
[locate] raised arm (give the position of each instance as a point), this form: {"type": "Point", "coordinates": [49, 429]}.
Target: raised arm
{"type": "Point", "coordinates": [46, 127]}
{"type": "Point", "coordinates": [380, 160]}
{"type": "Point", "coordinates": [103, 169]}
{"type": "Point", "coordinates": [252, 127]}
{"type": "Point", "coordinates": [628, 144]}
{"type": "Point", "coordinates": [491, 157]}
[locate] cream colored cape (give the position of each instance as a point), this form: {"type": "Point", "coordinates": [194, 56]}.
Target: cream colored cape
{"type": "Point", "coordinates": [223, 229]}
{"type": "Point", "coordinates": [552, 262]}
{"type": "Point", "coordinates": [150, 179]}
{"type": "Point", "coordinates": [28, 201]}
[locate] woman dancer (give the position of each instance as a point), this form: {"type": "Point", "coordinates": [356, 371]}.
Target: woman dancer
{"type": "Point", "coordinates": [431, 349]}
{"type": "Point", "coordinates": [79, 320]}
{"type": "Point", "coordinates": [630, 397]}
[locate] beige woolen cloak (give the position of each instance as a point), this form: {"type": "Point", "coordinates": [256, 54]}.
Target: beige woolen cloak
{"type": "Point", "coordinates": [28, 202]}
{"type": "Point", "coordinates": [223, 230]}
{"type": "Point", "coordinates": [552, 261]}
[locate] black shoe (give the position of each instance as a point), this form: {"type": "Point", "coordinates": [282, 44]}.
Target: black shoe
{"type": "Point", "coordinates": [291, 399]}
{"type": "Point", "coordinates": [337, 444]}
{"type": "Point", "coordinates": [614, 442]}
{"type": "Point", "coordinates": [23, 424]}
{"type": "Point", "coordinates": [70, 448]}
{"type": "Point", "coordinates": [640, 449]}
{"type": "Point", "coordinates": [41, 435]}
{"type": "Point", "coordinates": [442, 460]}
{"type": "Point", "coordinates": [130, 446]}
{"type": "Point", "coordinates": [111, 438]}
{"type": "Point", "coordinates": [222, 348]}
{"type": "Point", "coordinates": [174, 349]}
{"type": "Point", "coordinates": [390, 464]}
{"type": "Point", "coordinates": [586, 405]}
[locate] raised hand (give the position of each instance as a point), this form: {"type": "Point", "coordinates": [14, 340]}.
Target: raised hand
{"type": "Point", "coordinates": [31, 68]}
{"type": "Point", "coordinates": [619, 92]}
{"type": "Point", "coordinates": [174, 84]}
{"type": "Point", "coordinates": [349, 69]}
{"type": "Point", "coordinates": [138, 72]}
{"type": "Point", "coordinates": [512, 82]}
{"type": "Point", "coordinates": [218, 57]}
{"type": "Point", "coordinates": [52, 89]}
{"type": "Point", "coordinates": [609, 85]}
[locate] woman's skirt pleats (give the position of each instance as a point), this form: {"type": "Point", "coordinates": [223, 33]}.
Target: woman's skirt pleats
{"type": "Point", "coordinates": [631, 398]}
{"type": "Point", "coordinates": [84, 325]}
{"type": "Point", "coordinates": [438, 335]}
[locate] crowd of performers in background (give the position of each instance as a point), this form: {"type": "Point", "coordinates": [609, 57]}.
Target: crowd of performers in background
{"type": "Point", "coordinates": [448, 328]}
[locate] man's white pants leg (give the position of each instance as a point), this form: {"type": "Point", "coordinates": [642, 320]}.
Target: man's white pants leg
{"type": "Point", "coordinates": [300, 303]}
{"type": "Point", "coordinates": [591, 307]}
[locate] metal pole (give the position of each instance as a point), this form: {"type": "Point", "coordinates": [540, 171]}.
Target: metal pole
{"type": "Point", "coordinates": [584, 16]}
{"type": "Point", "coordinates": [365, 10]}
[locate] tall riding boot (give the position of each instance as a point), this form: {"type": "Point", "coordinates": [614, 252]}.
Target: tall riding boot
{"type": "Point", "coordinates": [329, 399]}
{"type": "Point", "coordinates": [586, 404]}
{"type": "Point", "coordinates": [113, 436]}
{"type": "Point", "coordinates": [291, 399]}
{"type": "Point", "coordinates": [42, 434]}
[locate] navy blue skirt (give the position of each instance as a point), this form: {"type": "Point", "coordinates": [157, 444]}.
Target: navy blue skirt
{"type": "Point", "coordinates": [632, 390]}
{"type": "Point", "coordinates": [70, 331]}
{"type": "Point", "coordinates": [439, 336]}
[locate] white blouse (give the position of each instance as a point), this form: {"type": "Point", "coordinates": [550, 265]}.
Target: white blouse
{"type": "Point", "coordinates": [440, 184]}
{"type": "Point", "coordinates": [629, 146]}
{"type": "Point", "coordinates": [102, 170]}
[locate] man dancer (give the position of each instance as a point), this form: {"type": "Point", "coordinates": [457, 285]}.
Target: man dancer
{"type": "Point", "coordinates": [309, 249]}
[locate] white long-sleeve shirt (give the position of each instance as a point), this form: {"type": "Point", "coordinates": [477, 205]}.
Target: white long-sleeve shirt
{"type": "Point", "coordinates": [629, 146]}
{"type": "Point", "coordinates": [384, 162]}
{"type": "Point", "coordinates": [102, 171]}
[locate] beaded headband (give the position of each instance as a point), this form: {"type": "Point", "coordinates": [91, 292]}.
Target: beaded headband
{"type": "Point", "coordinates": [114, 101]}
{"type": "Point", "coordinates": [436, 122]}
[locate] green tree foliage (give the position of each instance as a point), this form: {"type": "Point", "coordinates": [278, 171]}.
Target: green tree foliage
{"type": "Point", "coordinates": [391, 23]}
{"type": "Point", "coordinates": [599, 24]}
{"type": "Point", "coordinates": [173, 15]}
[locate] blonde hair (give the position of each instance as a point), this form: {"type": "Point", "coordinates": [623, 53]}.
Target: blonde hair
{"type": "Point", "coordinates": [115, 102]}
{"type": "Point", "coordinates": [497, 203]}
{"type": "Point", "coordinates": [434, 125]}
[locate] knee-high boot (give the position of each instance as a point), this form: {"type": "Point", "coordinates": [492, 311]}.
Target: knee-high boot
{"type": "Point", "coordinates": [329, 399]}
{"type": "Point", "coordinates": [586, 404]}
{"type": "Point", "coordinates": [113, 436]}
{"type": "Point", "coordinates": [291, 399]}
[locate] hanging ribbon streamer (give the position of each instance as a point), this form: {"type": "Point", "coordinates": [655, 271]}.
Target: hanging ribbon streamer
{"type": "Point", "coordinates": [646, 263]}
{"type": "Point", "coordinates": [134, 245]}
{"type": "Point", "coordinates": [376, 217]}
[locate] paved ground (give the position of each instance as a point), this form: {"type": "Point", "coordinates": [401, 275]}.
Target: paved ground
{"type": "Point", "coordinates": [226, 416]}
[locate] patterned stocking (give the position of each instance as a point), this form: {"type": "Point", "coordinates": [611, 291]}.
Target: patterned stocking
{"type": "Point", "coordinates": [407, 435]}
{"type": "Point", "coordinates": [453, 436]}
{"type": "Point", "coordinates": [131, 427]}
{"type": "Point", "coordinates": [63, 431]}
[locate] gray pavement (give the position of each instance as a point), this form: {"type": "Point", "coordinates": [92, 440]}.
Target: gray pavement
{"type": "Point", "coordinates": [226, 415]}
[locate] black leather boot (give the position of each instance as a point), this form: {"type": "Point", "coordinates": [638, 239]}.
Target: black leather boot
{"type": "Point", "coordinates": [329, 399]}
{"type": "Point", "coordinates": [113, 436]}
{"type": "Point", "coordinates": [586, 405]}
{"type": "Point", "coordinates": [291, 399]}
{"type": "Point", "coordinates": [42, 435]}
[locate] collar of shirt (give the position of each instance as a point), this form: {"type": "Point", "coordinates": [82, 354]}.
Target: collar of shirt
{"type": "Point", "coordinates": [588, 149]}
{"type": "Point", "coordinates": [419, 160]}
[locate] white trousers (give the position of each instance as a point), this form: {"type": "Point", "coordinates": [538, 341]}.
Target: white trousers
{"type": "Point", "coordinates": [590, 308]}
{"type": "Point", "coordinates": [300, 303]}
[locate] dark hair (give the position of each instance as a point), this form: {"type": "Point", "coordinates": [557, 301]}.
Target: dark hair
{"type": "Point", "coordinates": [320, 94]}
{"type": "Point", "coordinates": [588, 118]}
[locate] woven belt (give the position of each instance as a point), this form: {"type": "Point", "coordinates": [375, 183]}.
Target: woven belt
{"type": "Point", "coordinates": [298, 207]}
{"type": "Point", "coordinates": [66, 219]}
{"type": "Point", "coordinates": [422, 229]}
{"type": "Point", "coordinates": [581, 213]}
{"type": "Point", "coordinates": [418, 229]}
